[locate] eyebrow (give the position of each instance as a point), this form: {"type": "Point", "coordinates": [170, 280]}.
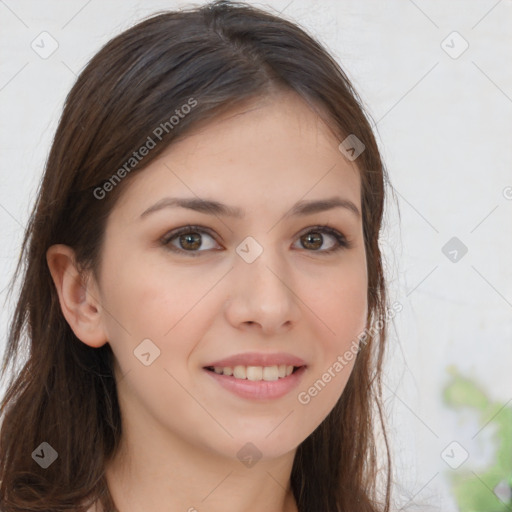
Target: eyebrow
{"type": "Point", "coordinates": [212, 207]}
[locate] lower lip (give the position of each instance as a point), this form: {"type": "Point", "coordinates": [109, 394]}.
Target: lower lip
{"type": "Point", "coordinates": [259, 389]}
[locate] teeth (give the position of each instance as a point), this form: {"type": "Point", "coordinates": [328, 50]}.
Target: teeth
{"type": "Point", "coordinates": [255, 373]}
{"type": "Point", "coordinates": [270, 373]}
{"type": "Point", "coordinates": [240, 372]}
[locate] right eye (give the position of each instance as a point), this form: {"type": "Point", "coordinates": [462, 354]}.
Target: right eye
{"type": "Point", "coordinates": [189, 239]}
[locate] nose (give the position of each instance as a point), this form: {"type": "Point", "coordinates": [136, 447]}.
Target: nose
{"type": "Point", "coordinates": [262, 295]}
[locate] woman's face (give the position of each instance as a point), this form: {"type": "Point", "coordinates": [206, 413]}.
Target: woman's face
{"type": "Point", "coordinates": [264, 289]}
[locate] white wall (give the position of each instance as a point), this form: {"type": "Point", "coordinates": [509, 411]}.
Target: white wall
{"type": "Point", "coordinates": [444, 125]}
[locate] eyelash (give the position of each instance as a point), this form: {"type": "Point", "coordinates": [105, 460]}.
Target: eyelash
{"type": "Point", "coordinates": [342, 242]}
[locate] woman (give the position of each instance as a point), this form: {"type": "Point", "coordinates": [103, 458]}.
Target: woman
{"type": "Point", "coordinates": [202, 282]}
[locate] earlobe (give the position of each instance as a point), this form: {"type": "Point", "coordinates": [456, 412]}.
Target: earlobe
{"type": "Point", "coordinates": [78, 297]}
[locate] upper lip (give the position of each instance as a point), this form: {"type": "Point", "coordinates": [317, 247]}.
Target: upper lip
{"type": "Point", "coordinates": [259, 359]}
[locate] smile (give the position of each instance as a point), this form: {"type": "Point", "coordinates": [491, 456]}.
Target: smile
{"type": "Point", "coordinates": [257, 382]}
{"type": "Point", "coordinates": [255, 373]}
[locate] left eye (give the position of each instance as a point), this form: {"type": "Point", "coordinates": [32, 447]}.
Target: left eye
{"type": "Point", "coordinates": [315, 236]}
{"type": "Point", "coordinates": [189, 239]}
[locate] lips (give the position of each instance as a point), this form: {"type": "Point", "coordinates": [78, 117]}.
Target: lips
{"type": "Point", "coordinates": [258, 359]}
{"type": "Point", "coordinates": [254, 388]}
{"type": "Point", "coordinates": [256, 375]}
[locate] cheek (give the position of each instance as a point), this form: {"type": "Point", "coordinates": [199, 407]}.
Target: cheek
{"type": "Point", "coordinates": [341, 307]}
{"type": "Point", "coordinates": [159, 303]}
{"type": "Point", "coordinates": [340, 301]}
{"type": "Point", "coordinates": [149, 300]}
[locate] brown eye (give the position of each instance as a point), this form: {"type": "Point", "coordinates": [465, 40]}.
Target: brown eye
{"type": "Point", "coordinates": [314, 238]}
{"type": "Point", "coordinates": [189, 240]}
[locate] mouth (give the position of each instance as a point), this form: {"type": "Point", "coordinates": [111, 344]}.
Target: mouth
{"type": "Point", "coordinates": [260, 383]}
{"type": "Point", "coordinates": [255, 373]}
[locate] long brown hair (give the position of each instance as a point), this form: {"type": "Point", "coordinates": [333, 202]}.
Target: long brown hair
{"type": "Point", "coordinates": [64, 393]}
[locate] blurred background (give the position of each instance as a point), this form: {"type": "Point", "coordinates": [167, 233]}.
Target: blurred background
{"type": "Point", "coordinates": [436, 79]}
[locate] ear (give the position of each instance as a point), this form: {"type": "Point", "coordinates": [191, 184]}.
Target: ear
{"type": "Point", "coordinates": [78, 296]}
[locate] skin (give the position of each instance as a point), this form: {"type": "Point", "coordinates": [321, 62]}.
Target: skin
{"type": "Point", "coordinates": [181, 430]}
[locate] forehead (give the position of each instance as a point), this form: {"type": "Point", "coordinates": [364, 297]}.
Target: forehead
{"type": "Point", "coordinates": [268, 151]}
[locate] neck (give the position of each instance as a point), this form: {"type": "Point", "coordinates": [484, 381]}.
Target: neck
{"type": "Point", "coordinates": [146, 476]}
